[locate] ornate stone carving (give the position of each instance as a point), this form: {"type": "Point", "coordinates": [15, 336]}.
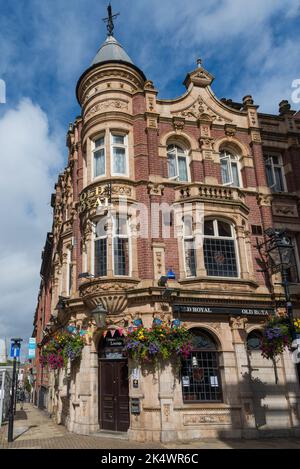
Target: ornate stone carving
{"type": "Point", "coordinates": [285, 210]}
{"type": "Point", "coordinates": [178, 123]}
{"type": "Point", "coordinates": [111, 294]}
{"type": "Point", "coordinates": [201, 112]}
{"type": "Point", "coordinates": [230, 130]}
{"type": "Point", "coordinates": [255, 136]}
{"type": "Point", "coordinates": [264, 200]}
{"type": "Point", "coordinates": [108, 105]}
{"type": "Point", "coordinates": [155, 189]}
{"type": "Point", "coordinates": [209, 417]}
{"type": "Point", "coordinates": [238, 322]}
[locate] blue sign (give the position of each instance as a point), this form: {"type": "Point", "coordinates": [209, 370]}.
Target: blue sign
{"type": "Point", "coordinates": [14, 351]}
{"type": "Point", "coordinates": [31, 347]}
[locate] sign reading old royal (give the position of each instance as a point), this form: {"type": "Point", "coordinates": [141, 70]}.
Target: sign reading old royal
{"type": "Point", "coordinates": [98, 196]}
{"type": "Point", "coordinates": [198, 309]}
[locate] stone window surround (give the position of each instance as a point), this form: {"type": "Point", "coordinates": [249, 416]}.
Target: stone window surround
{"type": "Point", "coordinates": [105, 130]}
{"type": "Point", "coordinates": [244, 262]}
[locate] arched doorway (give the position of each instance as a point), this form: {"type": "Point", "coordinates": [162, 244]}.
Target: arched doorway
{"type": "Point", "coordinates": [113, 383]}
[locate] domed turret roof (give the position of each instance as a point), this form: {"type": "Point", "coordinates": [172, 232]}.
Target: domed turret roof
{"type": "Point", "coordinates": [111, 50]}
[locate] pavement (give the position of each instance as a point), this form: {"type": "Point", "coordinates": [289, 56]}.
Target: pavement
{"type": "Point", "coordinates": [33, 429]}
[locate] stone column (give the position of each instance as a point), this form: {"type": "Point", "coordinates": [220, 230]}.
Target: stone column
{"type": "Point", "coordinates": [240, 238]}
{"type": "Point", "coordinates": [244, 390]}
{"type": "Point", "coordinates": [166, 398]}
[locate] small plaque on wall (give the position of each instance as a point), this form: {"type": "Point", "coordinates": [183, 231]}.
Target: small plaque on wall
{"type": "Point", "coordinates": [135, 406]}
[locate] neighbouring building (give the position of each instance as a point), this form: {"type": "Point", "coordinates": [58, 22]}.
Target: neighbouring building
{"type": "Point", "coordinates": [240, 170]}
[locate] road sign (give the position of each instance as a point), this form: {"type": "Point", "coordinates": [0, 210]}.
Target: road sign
{"type": "Point", "coordinates": [31, 347]}
{"type": "Point", "coordinates": [14, 351]}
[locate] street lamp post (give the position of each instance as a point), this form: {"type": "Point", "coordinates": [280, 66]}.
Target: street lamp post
{"type": "Point", "coordinates": [281, 254]}
{"type": "Point", "coordinates": [16, 344]}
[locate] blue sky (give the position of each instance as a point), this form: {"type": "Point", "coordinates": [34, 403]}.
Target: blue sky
{"type": "Point", "coordinates": [250, 48]}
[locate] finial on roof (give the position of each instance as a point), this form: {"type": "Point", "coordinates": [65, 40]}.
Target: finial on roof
{"type": "Point", "coordinates": [199, 63]}
{"type": "Point", "coordinates": [109, 21]}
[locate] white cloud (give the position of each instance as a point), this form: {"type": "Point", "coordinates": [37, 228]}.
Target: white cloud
{"type": "Point", "coordinates": [29, 155]}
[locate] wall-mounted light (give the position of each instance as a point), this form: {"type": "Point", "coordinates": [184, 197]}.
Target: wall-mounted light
{"type": "Point", "coordinates": [99, 314]}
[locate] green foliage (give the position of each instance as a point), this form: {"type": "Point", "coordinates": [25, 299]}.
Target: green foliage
{"type": "Point", "coordinates": [158, 343]}
{"type": "Point", "coordinates": [62, 347]}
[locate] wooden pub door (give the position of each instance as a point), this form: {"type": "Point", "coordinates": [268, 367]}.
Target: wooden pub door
{"type": "Point", "coordinates": [114, 395]}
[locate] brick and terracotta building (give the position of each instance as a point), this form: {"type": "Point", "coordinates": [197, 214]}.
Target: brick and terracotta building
{"type": "Point", "coordinates": [239, 169]}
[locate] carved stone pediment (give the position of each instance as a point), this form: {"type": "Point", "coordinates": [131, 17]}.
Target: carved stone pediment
{"type": "Point", "coordinates": [201, 112]}
{"type": "Point", "coordinates": [200, 77]}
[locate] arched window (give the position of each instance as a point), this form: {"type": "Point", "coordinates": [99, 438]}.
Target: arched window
{"type": "Point", "coordinates": [177, 163]}
{"type": "Point", "coordinates": [200, 373]}
{"type": "Point", "coordinates": [230, 171]}
{"type": "Point", "coordinates": [219, 249]}
{"type": "Point", "coordinates": [253, 340]}
{"type": "Point", "coordinates": [189, 246]}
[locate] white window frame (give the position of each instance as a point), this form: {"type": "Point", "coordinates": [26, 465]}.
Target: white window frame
{"type": "Point", "coordinates": [268, 158]}
{"type": "Point", "coordinates": [187, 161]}
{"type": "Point", "coordinates": [232, 238]}
{"type": "Point", "coordinates": [227, 155]}
{"type": "Point", "coordinates": [184, 239]}
{"type": "Point", "coordinates": [121, 236]}
{"type": "Point", "coordinates": [119, 145]}
{"type": "Point", "coordinates": [94, 150]}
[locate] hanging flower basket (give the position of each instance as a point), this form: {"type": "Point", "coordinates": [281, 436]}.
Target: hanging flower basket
{"type": "Point", "coordinates": [62, 347]}
{"type": "Point", "coordinates": [158, 343]}
{"type": "Point", "coordinates": [276, 337]}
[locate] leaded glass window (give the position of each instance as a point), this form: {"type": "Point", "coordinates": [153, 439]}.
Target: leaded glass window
{"type": "Point", "coordinates": [219, 249]}
{"type": "Point", "coordinates": [200, 373]}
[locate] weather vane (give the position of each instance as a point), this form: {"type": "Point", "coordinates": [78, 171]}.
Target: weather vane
{"type": "Point", "coordinates": [109, 20]}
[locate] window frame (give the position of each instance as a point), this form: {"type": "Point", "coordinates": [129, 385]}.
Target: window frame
{"type": "Point", "coordinates": [94, 239]}
{"type": "Point", "coordinates": [124, 146]}
{"type": "Point", "coordinates": [94, 150]}
{"type": "Point", "coordinates": [232, 238]}
{"type": "Point", "coordinates": [121, 236]}
{"type": "Point", "coordinates": [268, 157]}
{"type": "Point", "coordinates": [201, 354]}
{"type": "Point", "coordinates": [188, 238]}
{"type": "Point", "coordinates": [229, 156]}
{"type": "Point", "coordinates": [187, 162]}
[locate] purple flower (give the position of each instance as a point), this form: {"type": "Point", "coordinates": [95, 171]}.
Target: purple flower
{"type": "Point", "coordinates": [153, 348]}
